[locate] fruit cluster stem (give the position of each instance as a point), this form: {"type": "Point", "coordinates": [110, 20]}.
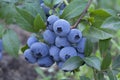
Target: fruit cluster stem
{"type": "Point", "coordinates": [82, 14]}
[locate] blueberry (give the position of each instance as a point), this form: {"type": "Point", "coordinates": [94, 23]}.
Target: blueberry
{"type": "Point", "coordinates": [45, 9]}
{"type": "Point", "coordinates": [81, 45]}
{"type": "Point", "coordinates": [41, 1]}
{"type": "Point", "coordinates": [1, 56]}
{"type": "Point", "coordinates": [39, 49]}
{"type": "Point", "coordinates": [1, 45]}
{"type": "Point", "coordinates": [61, 42]}
{"type": "Point", "coordinates": [60, 64]}
{"type": "Point", "coordinates": [49, 36]}
{"type": "Point", "coordinates": [51, 20]}
{"type": "Point", "coordinates": [62, 6]}
{"type": "Point", "coordinates": [61, 27]}
{"type": "Point", "coordinates": [29, 57]}
{"type": "Point", "coordinates": [67, 52]}
{"type": "Point", "coordinates": [31, 40]}
{"type": "Point", "coordinates": [45, 61]}
{"type": "Point", "coordinates": [74, 36]}
{"type": "Point", "coordinates": [54, 52]}
{"type": "Point", "coordinates": [81, 55]}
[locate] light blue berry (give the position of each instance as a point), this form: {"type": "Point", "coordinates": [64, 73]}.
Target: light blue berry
{"type": "Point", "coordinates": [61, 27]}
{"type": "Point", "coordinates": [39, 49]}
{"type": "Point", "coordinates": [49, 36]}
{"type": "Point", "coordinates": [45, 61]}
{"type": "Point", "coordinates": [74, 36]}
{"type": "Point", "coordinates": [31, 40]}
{"type": "Point", "coordinates": [61, 42]}
{"type": "Point", "coordinates": [54, 52]}
{"type": "Point", "coordinates": [29, 56]}
{"type": "Point", "coordinates": [81, 45]}
{"type": "Point", "coordinates": [51, 20]}
{"type": "Point", "coordinates": [67, 52]}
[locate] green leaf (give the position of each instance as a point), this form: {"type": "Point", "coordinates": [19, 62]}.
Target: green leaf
{"type": "Point", "coordinates": [116, 62]}
{"type": "Point", "coordinates": [8, 12]}
{"type": "Point", "coordinates": [106, 61]}
{"type": "Point", "coordinates": [72, 63]}
{"type": "Point", "coordinates": [39, 23]}
{"type": "Point", "coordinates": [99, 33]}
{"type": "Point", "coordinates": [84, 78]}
{"type": "Point", "coordinates": [99, 16]}
{"type": "Point", "coordinates": [25, 20]}
{"type": "Point", "coordinates": [24, 48]}
{"type": "Point", "coordinates": [1, 30]}
{"type": "Point", "coordinates": [33, 9]}
{"type": "Point", "coordinates": [100, 76]}
{"type": "Point", "coordinates": [75, 8]}
{"type": "Point", "coordinates": [111, 75]}
{"type": "Point", "coordinates": [11, 42]}
{"type": "Point", "coordinates": [112, 23]}
{"type": "Point", "coordinates": [88, 47]}
{"type": "Point", "coordinates": [104, 45]}
{"type": "Point", "coordinates": [93, 62]}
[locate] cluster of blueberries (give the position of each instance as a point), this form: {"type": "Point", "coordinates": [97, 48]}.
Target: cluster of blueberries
{"type": "Point", "coordinates": [61, 42]}
{"type": "Point", "coordinates": [1, 49]}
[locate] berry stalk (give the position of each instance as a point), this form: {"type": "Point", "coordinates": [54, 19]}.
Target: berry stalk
{"type": "Point", "coordinates": [82, 14]}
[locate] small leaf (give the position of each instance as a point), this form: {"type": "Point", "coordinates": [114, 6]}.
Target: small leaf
{"type": "Point", "coordinates": [24, 48]}
{"type": "Point", "coordinates": [106, 61]}
{"type": "Point", "coordinates": [104, 45]}
{"type": "Point", "coordinates": [99, 34]}
{"type": "Point", "coordinates": [25, 20]}
{"type": "Point", "coordinates": [93, 62]}
{"type": "Point", "coordinates": [84, 78]}
{"type": "Point", "coordinates": [75, 8]}
{"type": "Point", "coordinates": [39, 23]}
{"type": "Point", "coordinates": [116, 62]}
{"type": "Point", "coordinates": [99, 16]}
{"type": "Point", "coordinates": [11, 43]}
{"type": "Point", "coordinates": [72, 63]}
{"type": "Point", "coordinates": [111, 75]}
{"type": "Point", "coordinates": [112, 23]}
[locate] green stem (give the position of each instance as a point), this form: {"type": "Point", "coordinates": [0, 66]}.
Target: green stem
{"type": "Point", "coordinates": [94, 72]}
{"type": "Point", "coordinates": [66, 2]}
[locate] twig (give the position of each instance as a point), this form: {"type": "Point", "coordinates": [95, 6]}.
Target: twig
{"type": "Point", "coordinates": [82, 14]}
{"type": "Point", "coordinates": [66, 2]}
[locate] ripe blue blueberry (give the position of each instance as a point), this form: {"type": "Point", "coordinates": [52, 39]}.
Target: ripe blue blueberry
{"type": "Point", "coordinates": [51, 20]}
{"type": "Point", "coordinates": [29, 57]}
{"type": "Point", "coordinates": [1, 56]}
{"type": "Point", "coordinates": [81, 45]}
{"type": "Point", "coordinates": [74, 36]}
{"type": "Point", "coordinates": [61, 42]}
{"type": "Point", "coordinates": [81, 55]}
{"type": "Point", "coordinates": [1, 45]}
{"type": "Point", "coordinates": [67, 52]}
{"type": "Point", "coordinates": [49, 37]}
{"type": "Point", "coordinates": [45, 9]}
{"type": "Point", "coordinates": [31, 40]}
{"type": "Point", "coordinates": [45, 61]}
{"type": "Point", "coordinates": [61, 27]}
{"type": "Point", "coordinates": [60, 64]}
{"type": "Point", "coordinates": [39, 49]}
{"type": "Point", "coordinates": [54, 52]}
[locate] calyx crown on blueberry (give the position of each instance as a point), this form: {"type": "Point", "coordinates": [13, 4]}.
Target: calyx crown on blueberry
{"type": "Point", "coordinates": [61, 42]}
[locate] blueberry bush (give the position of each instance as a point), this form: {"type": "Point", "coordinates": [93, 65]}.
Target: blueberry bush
{"type": "Point", "coordinates": [78, 36]}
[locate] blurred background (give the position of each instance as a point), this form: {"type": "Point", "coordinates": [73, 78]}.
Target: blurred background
{"type": "Point", "coordinates": [18, 69]}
